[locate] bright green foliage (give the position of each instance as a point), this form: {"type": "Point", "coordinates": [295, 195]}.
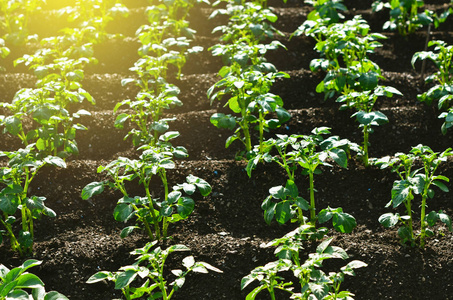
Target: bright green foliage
{"type": "Point", "coordinates": [14, 21]}
{"type": "Point", "coordinates": [313, 282]}
{"type": "Point", "coordinates": [15, 198]}
{"type": "Point", "coordinates": [246, 77]}
{"type": "Point", "coordinates": [308, 152]}
{"type": "Point", "coordinates": [249, 97]}
{"type": "Point", "coordinates": [405, 16]}
{"type": "Point", "coordinates": [94, 15]}
{"type": "Point", "coordinates": [326, 10]}
{"type": "Point", "coordinates": [147, 110]}
{"type": "Point", "coordinates": [442, 91]}
{"type": "Point", "coordinates": [20, 284]}
{"type": "Point", "coordinates": [412, 183]}
{"type": "Point", "coordinates": [249, 23]}
{"type": "Point", "coordinates": [344, 48]}
{"type": "Point", "coordinates": [363, 103]}
{"type": "Point", "coordinates": [151, 213]}
{"type": "Point", "coordinates": [149, 267]}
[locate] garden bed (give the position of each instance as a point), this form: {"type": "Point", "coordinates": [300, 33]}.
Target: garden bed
{"type": "Point", "coordinates": [227, 228]}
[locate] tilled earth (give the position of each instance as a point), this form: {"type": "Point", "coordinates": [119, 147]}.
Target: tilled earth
{"type": "Point", "coordinates": [227, 228]}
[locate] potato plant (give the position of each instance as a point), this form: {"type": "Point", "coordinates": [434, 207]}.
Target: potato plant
{"type": "Point", "coordinates": [95, 15]}
{"type": "Point", "coordinates": [18, 283]}
{"type": "Point", "coordinates": [16, 202]}
{"type": "Point", "coordinates": [406, 16]}
{"type": "Point", "coordinates": [16, 14]}
{"type": "Point", "coordinates": [442, 79]}
{"type": "Point", "coordinates": [412, 183]}
{"type": "Point", "coordinates": [313, 282]}
{"type": "Point", "coordinates": [151, 212]}
{"type": "Point", "coordinates": [308, 152]}
{"type": "Point", "coordinates": [326, 10]}
{"type": "Point", "coordinates": [363, 103]}
{"type": "Point", "coordinates": [345, 49]}
{"type": "Point", "coordinates": [246, 75]}
{"type": "Point", "coordinates": [150, 265]}
{"type": "Point", "coordinates": [249, 97]}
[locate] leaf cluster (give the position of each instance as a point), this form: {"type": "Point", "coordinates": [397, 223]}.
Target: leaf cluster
{"type": "Point", "coordinates": [17, 282]}
{"type": "Point", "coordinates": [442, 80]}
{"type": "Point", "coordinates": [309, 153]}
{"type": "Point", "coordinates": [412, 183]}
{"type": "Point", "coordinates": [149, 267]}
{"type": "Point", "coordinates": [313, 282]}
{"type": "Point", "coordinates": [405, 15]}
{"type": "Point", "coordinates": [246, 77]}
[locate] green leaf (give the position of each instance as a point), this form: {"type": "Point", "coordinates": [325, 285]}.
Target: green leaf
{"type": "Point", "coordinates": [18, 294]}
{"type": "Point", "coordinates": [269, 213]}
{"type": "Point", "coordinates": [233, 104]}
{"type": "Point", "coordinates": [343, 222]}
{"type": "Point", "coordinates": [404, 233]}
{"type": "Point", "coordinates": [441, 185]}
{"type": "Point", "coordinates": [278, 192]}
{"type": "Point", "coordinates": [189, 188]}
{"type": "Point", "coordinates": [319, 290]}
{"type": "Point", "coordinates": [283, 212]}
{"type": "Point", "coordinates": [29, 281]}
{"type": "Point", "coordinates": [169, 136]}
{"type": "Point", "coordinates": [173, 197]}
{"type": "Point", "coordinates": [123, 212]}
{"type": "Point", "coordinates": [324, 216]}
{"type": "Point", "coordinates": [55, 161]}
{"type": "Point", "coordinates": [432, 218]}
{"type": "Point", "coordinates": [92, 189]}
{"type": "Point", "coordinates": [444, 218]}
{"type": "Point", "coordinates": [9, 203]}
{"type": "Point", "coordinates": [127, 231]}
{"type": "Point", "coordinates": [302, 203]}
{"type": "Point", "coordinates": [55, 296]}
{"type": "Point", "coordinates": [203, 186]}
{"type": "Point", "coordinates": [124, 279]}
{"type": "Point", "coordinates": [185, 206]}
{"type": "Point", "coordinates": [389, 219]}
{"type": "Point", "coordinates": [120, 119]}
{"type": "Point", "coordinates": [246, 280]}
{"type": "Point", "coordinates": [368, 81]}
{"type": "Point", "coordinates": [400, 192]}
{"type": "Point", "coordinates": [291, 188]}
{"type": "Point", "coordinates": [252, 295]}
{"type": "Point", "coordinates": [339, 156]}
{"type": "Point", "coordinates": [372, 118]}
{"type": "Point", "coordinates": [220, 120]}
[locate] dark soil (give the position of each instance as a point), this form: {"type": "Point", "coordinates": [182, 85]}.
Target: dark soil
{"type": "Point", "coordinates": [227, 228]}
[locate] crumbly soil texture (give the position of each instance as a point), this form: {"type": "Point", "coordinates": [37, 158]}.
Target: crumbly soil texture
{"type": "Point", "coordinates": [227, 228]}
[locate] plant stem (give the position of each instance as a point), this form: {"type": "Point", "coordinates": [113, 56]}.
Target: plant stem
{"type": "Point", "coordinates": [163, 176]}
{"type": "Point", "coordinates": [312, 199]}
{"type": "Point", "coordinates": [409, 212]}
{"type": "Point", "coordinates": [153, 213]}
{"type": "Point", "coordinates": [365, 145]}
{"type": "Point", "coordinates": [261, 127]}
{"type": "Point", "coordinates": [14, 243]}
{"type": "Point", "coordinates": [422, 221]}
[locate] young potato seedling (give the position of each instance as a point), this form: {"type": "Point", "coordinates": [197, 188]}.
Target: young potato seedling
{"type": "Point", "coordinates": [313, 282]}
{"type": "Point", "coordinates": [404, 15]}
{"type": "Point", "coordinates": [23, 165]}
{"type": "Point", "coordinates": [16, 283]}
{"type": "Point", "coordinates": [153, 214]}
{"type": "Point", "coordinates": [308, 152]}
{"type": "Point", "coordinates": [442, 90]}
{"type": "Point", "coordinates": [411, 183]}
{"type": "Point", "coordinates": [363, 103]}
{"type": "Point", "coordinates": [150, 265]}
